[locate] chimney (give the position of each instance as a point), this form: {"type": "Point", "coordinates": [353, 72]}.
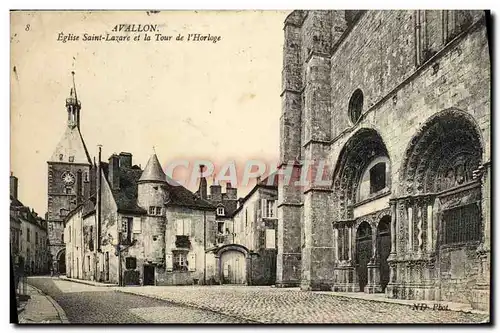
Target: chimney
{"type": "Point", "coordinates": [125, 160]}
{"type": "Point", "coordinates": [231, 192]}
{"type": "Point", "coordinates": [215, 191]}
{"type": "Point", "coordinates": [203, 184]}
{"type": "Point", "coordinates": [13, 185]}
{"type": "Point", "coordinates": [114, 172]}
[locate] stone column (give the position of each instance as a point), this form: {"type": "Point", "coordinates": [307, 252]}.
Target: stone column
{"type": "Point", "coordinates": [288, 261]}
{"type": "Point", "coordinates": [318, 262]}
{"type": "Point", "coordinates": [393, 228]}
{"type": "Point", "coordinates": [373, 285]}
{"type": "Point", "coordinates": [410, 229]}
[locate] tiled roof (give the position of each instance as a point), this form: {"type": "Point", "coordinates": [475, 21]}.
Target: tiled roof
{"type": "Point", "coordinates": [126, 196]}
{"type": "Point", "coordinates": [153, 171]}
{"type": "Point", "coordinates": [20, 212]}
{"type": "Point", "coordinates": [181, 196]}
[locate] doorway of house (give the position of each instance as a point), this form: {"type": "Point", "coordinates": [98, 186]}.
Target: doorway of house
{"type": "Point", "coordinates": [61, 261]}
{"type": "Point", "coordinates": [363, 253]}
{"type": "Point", "coordinates": [149, 275]}
{"type": "Point", "coordinates": [234, 267]}
{"type": "Point", "coordinates": [384, 249]}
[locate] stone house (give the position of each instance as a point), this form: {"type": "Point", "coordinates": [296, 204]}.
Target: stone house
{"type": "Point", "coordinates": [28, 235]}
{"type": "Point", "coordinates": [247, 255]}
{"type": "Point", "coordinates": [398, 105]}
{"type": "Point", "coordinates": [152, 231]}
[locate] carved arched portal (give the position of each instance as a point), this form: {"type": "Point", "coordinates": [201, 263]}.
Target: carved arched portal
{"type": "Point", "coordinates": [365, 146]}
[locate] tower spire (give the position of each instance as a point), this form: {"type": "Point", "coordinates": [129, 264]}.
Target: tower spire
{"type": "Point", "coordinates": [73, 106]}
{"type": "Point", "coordinates": [74, 86]}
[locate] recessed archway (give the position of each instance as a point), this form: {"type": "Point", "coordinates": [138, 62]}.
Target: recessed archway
{"type": "Point", "coordinates": [443, 154]}
{"type": "Point", "coordinates": [61, 262]}
{"type": "Point", "coordinates": [364, 147]}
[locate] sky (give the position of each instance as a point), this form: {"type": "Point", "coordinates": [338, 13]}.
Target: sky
{"type": "Point", "coordinates": [189, 100]}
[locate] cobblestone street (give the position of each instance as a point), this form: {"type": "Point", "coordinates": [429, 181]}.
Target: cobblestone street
{"type": "Point", "coordinates": [273, 305]}
{"type": "Point", "coordinates": [84, 304]}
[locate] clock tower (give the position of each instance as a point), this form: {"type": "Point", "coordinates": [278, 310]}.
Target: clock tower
{"type": "Point", "coordinates": [68, 180]}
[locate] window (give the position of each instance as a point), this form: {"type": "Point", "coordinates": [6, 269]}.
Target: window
{"type": "Point", "coordinates": [183, 227]}
{"type": "Point", "coordinates": [270, 238]}
{"type": "Point", "coordinates": [220, 227]}
{"type": "Point", "coordinates": [127, 229]}
{"type": "Point", "coordinates": [268, 208]}
{"type": "Point", "coordinates": [68, 190]}
{"type": "Point", "coordinates": [131, 263]}
{"type": "Point", "coordinates": [137, 228]}
{"type": "Point", "coordinates": [88, 260]}
{"type": "Point", "coordinates": [36, 238]}
{"type": "Point", "coordinates": [154, 210]}
{"type": "Point", "coordinates": [86, 177]}
{"type": "Point", "coordinates": [220, 210]}
{"type": "Point", "coordinates": [63, 212]}
{"type": "Point", "coordinates": [461, 224]}
{"type": "Point", "coordinates": [61, 157]}
{"type": "Point", "coordinates": [62, 238]}
{"type": "Point", "coordinates": [28, 235]}
{"type": "Point", "coordinates": [72, 158]}
{"type": "Point", "coordinates": [377, 177]}
{"type": "Point", "coordinates": [356, 106]}
{"type": "Point", "coordinates": [180, 262]}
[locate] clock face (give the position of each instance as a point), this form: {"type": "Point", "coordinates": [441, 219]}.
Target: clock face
{"type": "Point", "coordinates": [68, 178]}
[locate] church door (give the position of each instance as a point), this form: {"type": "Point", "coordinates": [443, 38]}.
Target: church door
{"type": "Point", "coordinates": [363, 253]}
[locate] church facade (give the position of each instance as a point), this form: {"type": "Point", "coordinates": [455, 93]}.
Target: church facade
{"type": "Point", "coordinates": [398, 105]}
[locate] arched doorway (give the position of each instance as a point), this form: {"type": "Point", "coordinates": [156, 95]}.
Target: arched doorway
{"type": "Point", "coordinates": [363, 253]}
{"type": "Point", "coordinates": [384, 249]}
{"type": "Point", "coordinates": [61, 262]}
{"type": "Point", "coordinates": [233, 265]}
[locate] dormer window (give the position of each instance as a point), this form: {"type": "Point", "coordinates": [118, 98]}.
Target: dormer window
{"type": "Point", "coordinates": [61, 157]}
{"type": "Point", "coordinates": [72, 159]}
{"type": "Point", "coordinates": [155, 210]}
{"type": "Point", "coordinates": [377, 177]}
{"type": "Point", "coordinates": [220, 211]}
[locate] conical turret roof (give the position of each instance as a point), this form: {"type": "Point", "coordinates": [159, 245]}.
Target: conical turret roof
{"type": "Point", "coordinates": [153, 171]}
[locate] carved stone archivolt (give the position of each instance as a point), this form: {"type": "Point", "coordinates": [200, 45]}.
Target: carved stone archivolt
{"type": "Point", "coordinates": [358, 152]}
{"type": "Point", "coordinates": [443, 154]}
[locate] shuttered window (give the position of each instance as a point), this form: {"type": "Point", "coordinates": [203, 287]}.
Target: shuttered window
{"type": "Point", "coordinates": [270, 238]}
{"type": "Point", "coordinates": [183, 227]}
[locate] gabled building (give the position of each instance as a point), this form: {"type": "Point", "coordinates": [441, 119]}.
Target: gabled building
{"type": "Point", "coordinates": [148, 230]}
{"type": "Point", "coordinates": [248, 255]}
{"type": "Point", "coordinates": [225, 205]}
{"type": "Point", "coordinates": [28, 236]}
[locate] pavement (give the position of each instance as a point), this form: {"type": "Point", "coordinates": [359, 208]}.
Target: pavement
{"type": "Point", "coordinates": [284, 305]}
{"type": "Point", "coordinates": [89, 304]}
{"type": "Point", "coordinates": [87, 282]}
{"type": "Point", "coordinates": [93, 303]}
{"type": "Point", "coordinates": [40, 309]}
